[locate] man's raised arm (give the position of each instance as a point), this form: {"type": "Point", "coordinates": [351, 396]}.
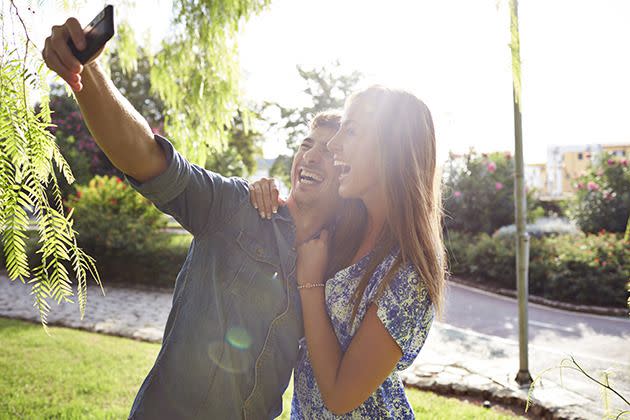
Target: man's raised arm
{"type": "Point", "coordinates": [119, 130]}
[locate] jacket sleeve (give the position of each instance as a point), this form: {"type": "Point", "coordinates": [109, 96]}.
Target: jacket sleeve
{"type": "Point", "coordinates": [199, 199]}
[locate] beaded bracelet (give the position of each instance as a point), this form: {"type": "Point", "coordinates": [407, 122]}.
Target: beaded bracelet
{"type": "Point", "coordinates": [310, 285]}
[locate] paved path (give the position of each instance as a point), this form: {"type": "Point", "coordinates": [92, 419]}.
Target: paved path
{"type": "Point", "coordinates": [474, 351]}
{"type": "Point", "coordinates": [597, 342]}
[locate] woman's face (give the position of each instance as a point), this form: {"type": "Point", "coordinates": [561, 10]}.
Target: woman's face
{"type": "Point", "coordinates": [355, 152]}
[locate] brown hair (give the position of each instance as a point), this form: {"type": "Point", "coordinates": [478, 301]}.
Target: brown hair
{"type": "Point", "coordinates": [407, 149]}
{"type": "Point", "coordinates": [329, 119]}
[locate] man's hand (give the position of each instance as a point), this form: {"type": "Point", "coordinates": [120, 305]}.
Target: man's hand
{"type": "Point", "coordinates": [59, 58]}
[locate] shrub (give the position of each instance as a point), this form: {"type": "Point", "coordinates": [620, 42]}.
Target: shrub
{"type": "Point", "coordinates": [545, 226]}
{"type": "Point", "coordinates": [111, 218]}
{"type": "Point", "coordinates": [479, 192]}
{"type": "Point", "coordinates": [602, 200]}
{"type": "Point", "coordinates": [155, 267]}
{"type": "Point", "coordinates": [584, 269]}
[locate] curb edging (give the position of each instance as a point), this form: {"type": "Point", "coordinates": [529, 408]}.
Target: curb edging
{"type": "Point", "coordinates": [590, 309]}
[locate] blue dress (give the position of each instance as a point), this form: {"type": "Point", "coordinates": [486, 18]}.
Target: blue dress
{"type": "Point", "coordinates": [405, 310]}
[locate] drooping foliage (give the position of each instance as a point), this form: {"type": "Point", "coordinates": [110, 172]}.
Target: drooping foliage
{"type": "Point", "coordinates": [196, 76]}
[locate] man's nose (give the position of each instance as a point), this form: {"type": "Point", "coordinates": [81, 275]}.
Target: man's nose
{"type": "Point", "coordinates": [312, 155]}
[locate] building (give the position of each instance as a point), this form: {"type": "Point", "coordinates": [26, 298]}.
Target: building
{"type": "Point", "coordinates": [536, 178]}
{"type": "Point", "coordinates": [565, 163]}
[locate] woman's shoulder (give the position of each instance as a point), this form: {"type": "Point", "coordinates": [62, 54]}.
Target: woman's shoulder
{"type": "Point", "coordinates": [406, 274]}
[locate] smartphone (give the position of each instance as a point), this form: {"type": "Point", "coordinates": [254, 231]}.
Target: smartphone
{"type": "Point", "coordinates": [97, 33]}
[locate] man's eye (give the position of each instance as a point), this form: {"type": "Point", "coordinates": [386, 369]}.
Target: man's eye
{"type": "Point", "coordinates": [305, 146]}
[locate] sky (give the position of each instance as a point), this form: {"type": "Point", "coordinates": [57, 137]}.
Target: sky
{"type": "Point", "coordinates": [452, 54]}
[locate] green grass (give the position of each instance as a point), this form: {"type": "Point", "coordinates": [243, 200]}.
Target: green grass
{"type": "Point", "coordinates": [79, 375]}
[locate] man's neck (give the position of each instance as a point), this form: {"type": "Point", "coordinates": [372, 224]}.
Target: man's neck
{"type": "Point", "coordinates": [308, 219]}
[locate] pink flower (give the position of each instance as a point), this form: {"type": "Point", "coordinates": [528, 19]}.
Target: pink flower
{"type": "Point", "coordinates": [611, 162]}
{"type": "Point", "coordinates": [491, 167]}
{"type": "Point", "coordinates": [609, 195]}
{"type": "Point", "coordinates": [498, 186]}
{"type": "Point", "coordinates": [592, 186]}
{"type": "Point", "coordinates": [580, 185]}
{"type": "Point", "coordinates": [457, 194]}
{"type": "Point", "coordinates": [624, 162]}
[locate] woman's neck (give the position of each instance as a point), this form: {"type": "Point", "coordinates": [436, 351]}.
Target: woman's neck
{"type": "Point", "coordinates": [376, 219]}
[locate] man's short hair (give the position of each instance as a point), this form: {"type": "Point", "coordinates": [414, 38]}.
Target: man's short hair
{"type": "Point", "coordinates": [329, 119]}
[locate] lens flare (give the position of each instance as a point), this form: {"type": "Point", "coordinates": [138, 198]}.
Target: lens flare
{"type": "Point", "coordinates": [238, 337]}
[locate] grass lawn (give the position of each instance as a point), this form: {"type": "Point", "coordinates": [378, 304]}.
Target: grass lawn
{"type": "Point", "coordinates": [79, 375]}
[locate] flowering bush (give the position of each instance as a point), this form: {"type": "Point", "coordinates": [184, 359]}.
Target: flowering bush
{"type": "Point", "coordinates": [111, 218]}
{"type": "Point", "coordinates": [589, 269]}
{"type": "Point", "coordinates": [479, 192]}
{"type": "Point", "coordinates": [75, 141]}
{"type": "Point", "coordinates": [602, 200]}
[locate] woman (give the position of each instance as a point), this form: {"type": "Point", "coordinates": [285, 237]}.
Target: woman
{"type": "Point", "coordinates": [369, 321]}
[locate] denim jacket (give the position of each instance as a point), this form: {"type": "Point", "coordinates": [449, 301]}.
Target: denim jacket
{"type": "Point", "coordinates": [231, 338]}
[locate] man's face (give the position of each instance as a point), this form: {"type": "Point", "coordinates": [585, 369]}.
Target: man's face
{"type": "Point", "coordinates": [313, 176]}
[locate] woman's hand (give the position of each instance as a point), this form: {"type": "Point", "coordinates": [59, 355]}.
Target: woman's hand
{"type": "Point", "coordinates": [312, 260]}
{"type": "Point", "coordinates": [265, 197]}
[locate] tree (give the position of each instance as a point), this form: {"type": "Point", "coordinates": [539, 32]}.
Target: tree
{"type": "Point", "coordinates": [195, 74]}
{"type": "Point", "coordinates": [243, 146]}
{"type": "Point", "coordinates": [328, 88]}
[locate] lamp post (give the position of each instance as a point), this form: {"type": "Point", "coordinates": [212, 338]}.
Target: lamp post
{"type": "Point", "coordinates": [523, 377]}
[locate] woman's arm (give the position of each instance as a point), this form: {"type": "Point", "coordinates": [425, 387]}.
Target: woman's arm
{"type": "Point", "coordinates": [347, 379]}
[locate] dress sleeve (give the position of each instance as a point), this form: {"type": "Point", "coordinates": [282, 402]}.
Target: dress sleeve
{"type": "Point", "coordinates": [197, 198]}
{"type": "Point", "coordinates": [406, 311]}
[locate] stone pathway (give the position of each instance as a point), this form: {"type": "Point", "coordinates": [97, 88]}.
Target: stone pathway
{"type": "Point", "coordinates": [453, 361]}
{"type": "Point", "coordinates": [129, 312]}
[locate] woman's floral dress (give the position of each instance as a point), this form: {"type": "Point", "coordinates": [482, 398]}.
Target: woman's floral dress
{"type": "Point", "coordinates": [405, 310]}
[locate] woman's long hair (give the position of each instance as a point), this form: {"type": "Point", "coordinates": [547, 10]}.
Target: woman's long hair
{"type": "Point", "coordinates": [407, 149]}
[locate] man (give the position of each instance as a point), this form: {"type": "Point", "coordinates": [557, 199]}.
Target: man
{"type": "Point", "coordinates": [231, 338]}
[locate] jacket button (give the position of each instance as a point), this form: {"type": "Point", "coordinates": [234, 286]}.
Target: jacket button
{"type": "Point", "coordinates": [259, 252]}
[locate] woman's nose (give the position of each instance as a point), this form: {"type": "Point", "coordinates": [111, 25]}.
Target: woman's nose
{"type": "Point", "coordinates": [333, 143]}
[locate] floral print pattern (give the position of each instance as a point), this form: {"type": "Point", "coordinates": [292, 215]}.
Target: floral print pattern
{"type": "Point", "coordinates": [404, 308]}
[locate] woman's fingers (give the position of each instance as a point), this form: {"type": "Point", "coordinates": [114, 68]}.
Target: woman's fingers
{"type": "Point", "coordinates": [275, 196]}
{"type": "Point", "coordinates": [267, 198]}
{"type": "Point", "coordinates": [259, 199]}
{"type": "Point", "coordinates": [252, 196]}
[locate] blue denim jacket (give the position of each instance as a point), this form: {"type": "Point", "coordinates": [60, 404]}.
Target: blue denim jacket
{"type": "Point", "coordinates": [231, 338]}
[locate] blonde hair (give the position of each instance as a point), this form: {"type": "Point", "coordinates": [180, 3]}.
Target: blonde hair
{"type": "Point", "coordinates": [407, 149]}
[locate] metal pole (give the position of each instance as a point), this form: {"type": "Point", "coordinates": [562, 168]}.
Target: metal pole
{"type": "Point", "coordinates": [523, 377]}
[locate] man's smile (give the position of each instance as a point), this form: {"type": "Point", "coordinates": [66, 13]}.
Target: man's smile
{"type": "Point", "coordinates": [310, 177]}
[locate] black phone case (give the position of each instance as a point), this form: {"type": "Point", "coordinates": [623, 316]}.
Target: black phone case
{"type": "Point", "coordinates": [97, 33]}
